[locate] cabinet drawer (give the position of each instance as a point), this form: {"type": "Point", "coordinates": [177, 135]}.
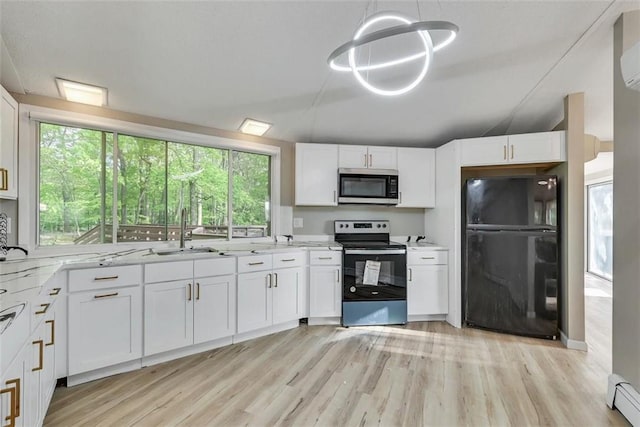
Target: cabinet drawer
{"type": "Point", "coordinates": [325, 257]}
{"type": "Point", "coordinates": [254, 263]}
{"type": "Point", "coordinates": [427, 257]}
{"type": "Point", "coordinates": [168, 271]}
{"type": "Point", "coordinates": [102, 278]}
{"type": "Point", "coordinates": [289, 259]}
{"type": "Point", "coordinates": [214, 267]}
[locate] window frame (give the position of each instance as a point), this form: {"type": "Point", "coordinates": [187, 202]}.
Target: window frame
{"type": "Point", "coordinates": [588, 185]}
{"type": "Point", "coordinates": [29, 161]}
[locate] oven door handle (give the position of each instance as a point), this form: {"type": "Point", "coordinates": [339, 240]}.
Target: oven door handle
{"type": "Point", "coordinates": [375, 252]}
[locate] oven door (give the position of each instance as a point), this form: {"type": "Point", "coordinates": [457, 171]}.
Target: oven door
{"type": "Point", "coordinates": [374, 275]}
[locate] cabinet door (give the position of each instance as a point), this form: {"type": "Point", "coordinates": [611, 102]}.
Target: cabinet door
{"type": "Point", "coordinates": [484, 151]}
{"type": "Point", "coordinates": [15, 390]}
{"type": "Point", "coordinates": [353, 156]}
{"type": "Point", "coordinates": [316, 175]}
{"type": "Point", "coordinates": [325, 291]}
{"type": "Point", "coordinates": [168, 316]}
{"type": "Point", "coordinates": [427, 290]}
{"type": "Point", "coordinates": [8, 146]}
{"type": "Point", "coordinates": [254, 301]}
{"type": "Point", "coordinates": [286, 283]}
{"type": "Point", "coordinates": [383, 158]}
{"type": "Point", "coordinates": [49, 371]}
{"type": "Point", "coordinates": [537, 147]}
{"type": "Point", "coordinates": [105, 328]}
{"type": "Point", "coordinates": [214, 308]}
{"type": "Point", "coordinates": [417, 177]}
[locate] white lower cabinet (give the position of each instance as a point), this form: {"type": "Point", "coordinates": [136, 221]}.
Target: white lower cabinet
{"type": "Point", "coordinates": [105, 328]}
{"type": "Point", "coordinates": [14, 391]}
{"type": "Point", "coordinates": [214, 308]}
{"type": "Point", "coordinates": [325, 291]}
{"type": "Point", "coordinates": [269, 296]}
{"type": "Point", "coordinates": [427, 283]}
{"type": "Point", "coordinates": [168, 316]}
{"type": "Point", "coordinates": [189, 310]}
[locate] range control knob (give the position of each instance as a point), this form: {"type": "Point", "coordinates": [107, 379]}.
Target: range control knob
{"type": "Point", "coordinates": [384, 225]}
{"type": "Point", "coordinates": [379, 225]}
{"type": "Point", "coordinates": [341, 225]}
{"type": "Point", "coordinates": [347, 225]}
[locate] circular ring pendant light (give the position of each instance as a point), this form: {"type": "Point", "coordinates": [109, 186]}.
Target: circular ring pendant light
{"type": "Point", "coordinates": [406, 26]}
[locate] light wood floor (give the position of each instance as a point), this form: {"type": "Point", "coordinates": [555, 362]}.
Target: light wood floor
{"type": "Point", "coordinates": [420, 374]}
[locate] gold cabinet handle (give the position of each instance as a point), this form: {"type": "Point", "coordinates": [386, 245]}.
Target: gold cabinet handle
{"type": "Point", "coordinates": [40, 356]}
{"type": "Point", "coordinates": [411, 275]}
{"type": "Point", "coordinates": [334, 196]}
{"type": "Point", "coordinates": [276, 276]}
{"type": "Point", "coordinates": [288, 260]}
{"type": "Point", "coordinates": [337, 275]}
{"type": "Point", "coordinates": [114, 294]}
{"type": "Point", "coordinates": [97, 279]}
{"type": "Point", "coordinates": [365, 160]}
{"type": "Point", "coordinates": [5, 179]}
{"type": "Point", "coordinates": [512, 152]}
{"type": "Point", "coordinates": [504, 152]}
{"type": "Point", "coordinates": [370, 160]}
{"type": "Point", "coordinates": [256, 263]}
{"type": "Point", "coordinates": [55, 291]}
{"type": "Point", "coordinates": [428, 257]}
{"type": "Point", "coordinates": [44, 310]}
{"type": "Point", "coordinates": [197, 291]}
{"type": "Point", "coordinates": [52, 322]}
{"type": "Point", "coordinates": [189, 292]}
{"type": "Point", "coordinates": [15, 401]}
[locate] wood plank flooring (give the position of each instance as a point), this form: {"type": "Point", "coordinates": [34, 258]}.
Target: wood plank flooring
{"type": "Point", "coordinates": [419, 374]}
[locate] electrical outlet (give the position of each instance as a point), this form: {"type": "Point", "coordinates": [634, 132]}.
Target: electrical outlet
{"type": "Point", "coordinates": [8, 225]}
{"type": "Point", "coordinates": [298, 223]}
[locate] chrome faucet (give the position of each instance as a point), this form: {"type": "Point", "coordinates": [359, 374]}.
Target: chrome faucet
{"type": "Point", "coordinates": [183, 227]}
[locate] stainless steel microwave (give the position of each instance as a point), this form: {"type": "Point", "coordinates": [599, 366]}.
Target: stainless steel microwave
{"type": "Point", "coordinates": [368, 186]}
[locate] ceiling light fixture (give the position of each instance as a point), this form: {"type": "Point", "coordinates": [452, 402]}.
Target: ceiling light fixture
{"type": "Point", "coordinates": [254, 127]}
{"type": "Point", "coordinates": [407, 25]}
{"type": "Point", "coordinates": [81, 92]}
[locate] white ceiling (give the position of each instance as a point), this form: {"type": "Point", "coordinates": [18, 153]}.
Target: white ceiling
{"type": "Point", "coordinates": [215, 63]}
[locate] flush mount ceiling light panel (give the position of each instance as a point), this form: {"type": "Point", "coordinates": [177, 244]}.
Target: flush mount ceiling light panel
{"type": "Point", "coordinates": [403, 25]}
{"type": "Point", "coordinates": [81, 92]}
{"type": "Point", "coordinates": [254, 127]}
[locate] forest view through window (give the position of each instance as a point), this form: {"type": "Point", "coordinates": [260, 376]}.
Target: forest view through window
{"type": "Point", "coordinates": [155, 180]}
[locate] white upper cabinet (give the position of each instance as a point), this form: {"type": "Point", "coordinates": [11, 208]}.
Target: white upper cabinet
{"type": "Point", "coordinates": [416, 176]}
{"type": "Point", "coordinates": [484, 151]}
{"type": "Point", "coordinates": [316, 175]}
{"type": "Point", "coordinates": [360, 156]}
{"type": "Point", "coordinates": [537, 147]}
{"type": "Point", "coordinates": [8, 146]}
{"type": "Point", "coordinates": [543, 147]}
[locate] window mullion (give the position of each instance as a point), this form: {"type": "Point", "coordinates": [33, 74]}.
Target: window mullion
{"type": "Point", "coordinates": [230, 197]}
{"type": "Point", "coordinates": [103, 186]}
{"type": "Point", "coordinates": [114, 199]}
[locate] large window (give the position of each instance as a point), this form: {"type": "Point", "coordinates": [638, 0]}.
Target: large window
{"type": "Point", "coordinates": [155, 181]}
{"type": "Point", "coordinates": [600, 229]}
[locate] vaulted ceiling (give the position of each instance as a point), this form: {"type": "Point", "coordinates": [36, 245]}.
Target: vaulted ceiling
{"type": "Point", "coordinates": [215, 63]}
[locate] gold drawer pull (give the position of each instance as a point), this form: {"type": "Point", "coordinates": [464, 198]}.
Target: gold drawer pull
{"type": "Point", "coordinates": [428, 257]}
{"type": "Point", "coordinates": [44, 310]}
{"type": "Point", "coordinates": [5, 179]}
{"type": "Point", "coordinates": [40, 356]}
{"type": "Point", "coordinates": [105, 278]}
{"type": "Point", "coordinates": [55, 291]}
{"type": "Point", "coordinates": [52, 322]}
{"type": "Point", "coordinates": [288, 260]}
{"type": "Point", "coordinates": [325, 257]}
{"type": "Point", "coordinates": [114, 294]}
{"type": "Point", "coordinates": [256, 263]}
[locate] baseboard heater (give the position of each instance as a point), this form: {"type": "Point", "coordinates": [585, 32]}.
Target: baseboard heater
{"type": "Point", "coordinates": [622, 396]}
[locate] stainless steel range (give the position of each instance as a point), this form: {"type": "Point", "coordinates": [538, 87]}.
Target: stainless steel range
{"type": "Point", "coordinates": [374, 285]}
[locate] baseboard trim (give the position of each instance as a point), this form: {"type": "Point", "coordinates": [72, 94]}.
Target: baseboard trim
{"type": "Point", "coordinates": [318, 321]}
{"type": "Point", "coordinates": [265, 331]}
{"type": "Point", "coordinates": [622, 396]}
{"type": "Point", "coordinates": [166, 356]}
{"type": "Point", "coordinates": [85, 377]}
{"type": "Point", "coordinates": [573, 344]}
{"type": "Point", "coordinates": [426, 317]}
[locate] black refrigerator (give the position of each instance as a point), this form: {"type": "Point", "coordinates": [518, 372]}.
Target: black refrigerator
{"type": "Point", "coordinates": [511, 265]}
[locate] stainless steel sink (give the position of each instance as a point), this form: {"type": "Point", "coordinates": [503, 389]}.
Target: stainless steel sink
{"type": "Point", "coordinates": [182, 251]}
